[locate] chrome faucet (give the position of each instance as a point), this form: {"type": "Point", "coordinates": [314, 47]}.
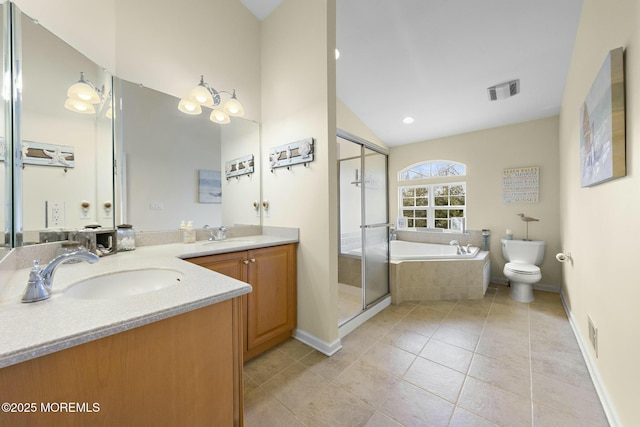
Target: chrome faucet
{"type": "Point", "coordinates": [392, 234]}
{"type": "Point", "coordinates": [460, 249]}
{"type": "Point", "coordinates": [41, 280]}
{"type": "Point", "coordinates": [222, 233]}
{"type": "Point", "coordinates": [217, 234]}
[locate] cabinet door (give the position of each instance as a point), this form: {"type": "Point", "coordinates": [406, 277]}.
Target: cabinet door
{"type": "Point", "coordinates": [231, 264]}
{"type": "Point", "coordinates": [160, 374]}
{"type": "Point", "coordinates": [271, 307]}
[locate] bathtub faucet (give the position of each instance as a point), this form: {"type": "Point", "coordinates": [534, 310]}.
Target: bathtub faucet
{"type": "Point", "coordinates": [459, 250]}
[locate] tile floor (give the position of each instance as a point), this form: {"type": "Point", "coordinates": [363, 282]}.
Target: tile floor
{"type": "Point", "coordinates": [490, 362]}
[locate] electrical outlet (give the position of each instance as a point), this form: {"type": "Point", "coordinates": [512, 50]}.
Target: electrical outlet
{"type": "Point", "coordinates": [55, 214]}
{"type": "Point", "coordinates": [156, 206]}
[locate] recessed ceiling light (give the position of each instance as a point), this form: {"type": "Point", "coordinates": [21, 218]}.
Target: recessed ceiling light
{"type": "Point", "coordinates": [337, 53]}
{"type": "Point", "coordinates": [408, 120]}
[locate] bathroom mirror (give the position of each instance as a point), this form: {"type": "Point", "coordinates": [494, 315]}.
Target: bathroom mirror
{"type": "Point", "coordinates": [5, 146]}
{"type": "Point", "coordinates": [171, 166]}
{"type": "Point", "coordinates": [66, 174]}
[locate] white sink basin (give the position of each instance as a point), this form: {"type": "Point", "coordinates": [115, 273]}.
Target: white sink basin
{"type": "Point", "coordinates": [124, 284]}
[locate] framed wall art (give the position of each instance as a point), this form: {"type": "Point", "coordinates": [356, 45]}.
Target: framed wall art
{"type": "Point", "coordinates": [602, 124]}
{"type": "Point", "coordinates": [521, 185]}
{"type": "Point", "coordinates": [209, 186]}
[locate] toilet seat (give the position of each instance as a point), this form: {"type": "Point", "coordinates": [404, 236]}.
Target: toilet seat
{"type": "Point", "coordinates": [521, 268]}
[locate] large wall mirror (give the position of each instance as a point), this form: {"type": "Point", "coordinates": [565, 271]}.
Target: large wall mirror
{"type": "Point", "coordinates": [172, 166]}
{"type": "Point", "coordinates": [128, 156]}
{"type": "Point", "coordinates": [65, 169]}
{"type": "Point", "coordinates": [5, 136]}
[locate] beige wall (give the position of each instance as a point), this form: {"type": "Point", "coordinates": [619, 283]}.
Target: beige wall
{"type": "Point", "coordinates": [351, 123]}
{"type": "Point", "coordinates": [599, 224]}
{"type": "Point", "coordinates": [487, 153]}
{"type": "Point", "coordinates": [298, 93]}
{"type": "Point", "coordinates": [166, 45]}
{"type": "Point", "coordinates": [86, 27]}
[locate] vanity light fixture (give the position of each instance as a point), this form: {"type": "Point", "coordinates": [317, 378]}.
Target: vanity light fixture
{"type": "Point", "coordinates": [84, 91]}
{"type": "Point", "coordinates": [204, 95]}
{"type": "Point", "coordinates": [219, 116]}
{"type": "Point", "coordinates": [79, 106]}
{"type": "Point", "coordinates": [82, 95]}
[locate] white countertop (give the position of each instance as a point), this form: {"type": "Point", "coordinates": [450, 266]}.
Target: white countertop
{"type": "Point", "coordinates": [35, 329]}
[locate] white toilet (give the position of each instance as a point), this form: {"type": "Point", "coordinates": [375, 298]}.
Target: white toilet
{"type": "Point", "coordinates": [523, 258]}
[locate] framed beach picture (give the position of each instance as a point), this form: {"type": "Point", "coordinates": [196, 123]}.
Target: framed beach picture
{"type": "Point", "coordinates": [602, 125]}
{"type": "Point", "coordinates": [209, 186]}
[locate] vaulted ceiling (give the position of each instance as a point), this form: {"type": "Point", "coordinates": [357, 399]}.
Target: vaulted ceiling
{"type": "Point", "coordinates": [433, 60]}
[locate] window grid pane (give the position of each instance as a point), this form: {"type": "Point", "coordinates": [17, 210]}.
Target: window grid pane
{"type": "Point", "coordinates": [433, 205]}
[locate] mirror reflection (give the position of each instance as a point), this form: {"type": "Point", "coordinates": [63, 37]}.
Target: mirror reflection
{"type": "Point", "coordinates": [66, 137]}
{"type": "Point", "coordinates": [172, 165]}
{"type": "Point", "coordinates": [5, 147]}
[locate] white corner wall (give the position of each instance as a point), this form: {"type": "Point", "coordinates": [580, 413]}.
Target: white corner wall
{"type": "Point", "coordinates": [487, 153]}
{"type": "Point", "coordinates": [599, 224]}
{"type": "Point", "coordinates": [298, 93]}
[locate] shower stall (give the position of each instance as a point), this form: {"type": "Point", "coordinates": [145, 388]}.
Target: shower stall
{"type": "Point", "coordinates": [363, 263]}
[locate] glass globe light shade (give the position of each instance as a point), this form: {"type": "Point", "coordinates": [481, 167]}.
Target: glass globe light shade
{"type": "Point", "coordinates": [219, 116]}
{"type": "Point", "coordinates": [189, 107]}
{"type": "Point", "coordinates": [79, 106]}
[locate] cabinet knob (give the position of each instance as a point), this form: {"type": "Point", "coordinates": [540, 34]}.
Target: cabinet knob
{"type": "Point", "coordinates": [252, 260]}
{"type": "Point", "coordinates": [245, 261]}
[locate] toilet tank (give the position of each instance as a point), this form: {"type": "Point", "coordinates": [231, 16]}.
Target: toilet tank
{"type": "Point", "coordinates": [525, 251]}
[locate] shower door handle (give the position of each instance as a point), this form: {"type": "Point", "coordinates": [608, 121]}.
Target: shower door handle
{"type": "Point", "coordinates": [382, 224]}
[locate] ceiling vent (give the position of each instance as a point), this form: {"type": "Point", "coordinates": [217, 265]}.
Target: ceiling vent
{"type": "Point", "coordinates": [504, 90]}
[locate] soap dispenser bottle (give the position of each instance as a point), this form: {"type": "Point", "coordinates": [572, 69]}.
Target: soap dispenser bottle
{"type": "Point", "coordinates": [183, 230]}
{"type": "Point", "coordinates": [189, 233]}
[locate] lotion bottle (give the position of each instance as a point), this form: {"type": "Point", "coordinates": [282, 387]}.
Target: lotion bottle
{"type": "Point", "coordinates": [183, 230]}
{"type": "Point", "coordinates": [190, 233]}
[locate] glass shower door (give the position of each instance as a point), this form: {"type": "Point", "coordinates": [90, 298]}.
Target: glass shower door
{"type": "Point", "coordinates": [363, 259]}
{"type": "Point", "coordinates": [350, 294]}
{"type": "Point", "coordinates": [375, 227]}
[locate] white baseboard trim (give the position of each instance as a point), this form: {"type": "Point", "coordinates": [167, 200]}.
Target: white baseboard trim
{"type": "Point", "coordinates": [328, 349]}
{"type": "Point", "coordinates": [607, 405]}
{"type": "Point", "coordinates": [352, 324]}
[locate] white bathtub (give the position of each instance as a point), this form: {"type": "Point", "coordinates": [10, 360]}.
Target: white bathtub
{"type": "Point", "coordinates": [401, 251]}
{"type": "Point", "coordinates": [427, 271]}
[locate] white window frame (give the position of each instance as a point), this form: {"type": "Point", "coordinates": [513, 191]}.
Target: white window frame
{"type": "Point", "coordinates": [431, 208]}
{"type": "Point", "coordinates": [429, 183]}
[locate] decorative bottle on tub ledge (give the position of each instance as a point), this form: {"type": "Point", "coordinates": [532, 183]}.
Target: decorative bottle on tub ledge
{"type": "Point", "coordinates": [485, 239]}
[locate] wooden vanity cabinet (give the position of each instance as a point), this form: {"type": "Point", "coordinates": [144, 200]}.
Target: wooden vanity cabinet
{"type": "Point", "coordinates": [185, 370]}
{"type": "Point", "coordinates": [269, 311]}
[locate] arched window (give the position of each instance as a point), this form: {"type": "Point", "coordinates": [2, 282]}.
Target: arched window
{"type": "Point", "coordinates": [432, 169]}
{"type": "Point", "coordinates": [426, 203]}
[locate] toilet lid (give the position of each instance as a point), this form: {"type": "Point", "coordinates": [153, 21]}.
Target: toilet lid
{"type": "Point", "coordinates": [521, 268]}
